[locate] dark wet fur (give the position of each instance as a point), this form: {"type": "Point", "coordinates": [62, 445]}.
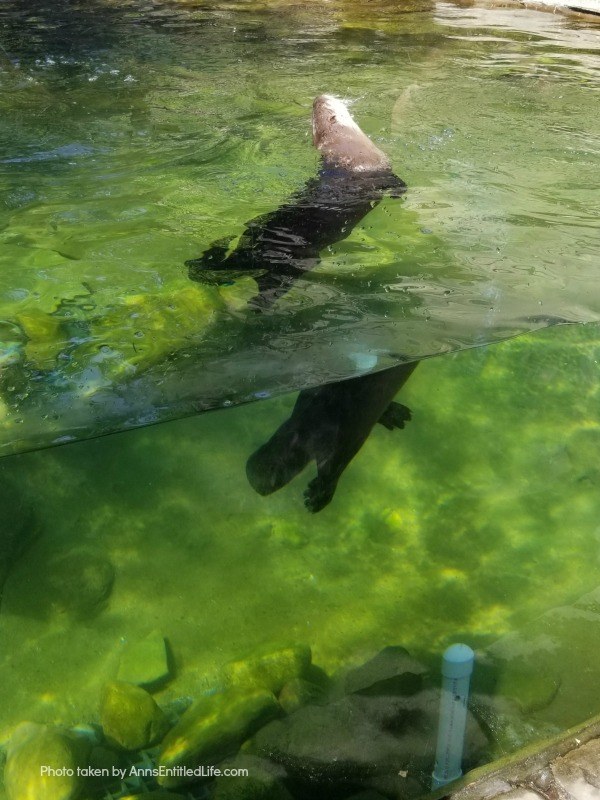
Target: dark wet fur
{"type": "Point", "coordinates": [329, 425]}
{"type": "Point", "coordinates": [281, 246]}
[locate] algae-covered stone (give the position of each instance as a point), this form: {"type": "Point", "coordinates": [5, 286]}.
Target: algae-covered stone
{"type": "Point", "coordinates": [213, 728]}
{"type": "Point", "coordinates": [42, 763]}
{"type": "Point", "coordinates": [392, 671]}
{"type": "Point", "coordinates": [297, 693]}
{"type": "Point", "coordinates": [263, 781]}
{"type": "Point", "coordinates": [336, 744]}
{"type": "Point", "coordinates": [146, 662]}
{"type": "Point", "coordinates": [380, 743]}
{"type": "Point", "coordinates": [269, 670]}
{"type": "Point", "coordinates": [79, 583]}
{"type": "Point", "coordinates": [533, 688]}
{"type": "Point", "coordinates": [130, 717]}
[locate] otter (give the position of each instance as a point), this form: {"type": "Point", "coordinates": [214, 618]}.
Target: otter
{"type": "Point", "coordinates": [329, 424]}
{"type": "Point", "coordinates": [281, 246]}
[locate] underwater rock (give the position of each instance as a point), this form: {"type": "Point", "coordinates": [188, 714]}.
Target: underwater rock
{"type": "Point", "coordinates": [533, 688]}
{"type": "Point", "coordinates": [337, 743]}
{"type": "Point", "coordinates": [130, 717]}
{"type": "Point", "coordinates": [102, 757]}
{"type": "Point", "coordinates": [79, 583]}
{"type": "Point", "coordinates": [297, 693]}
{"type": "Point", "coordinates": [17, 526]}
{"type": "Point", "coordinates": [553, 645]}
{"type": "Point", "coordinates": [145, 663]}
{"type": "Point", "coordinates": [392, 671]}
{"type": "Point", "coordinates": [269, 671]}
{"type": "Point", "coordinates": [214, 728]}
{"type": "Point", "coordinates": [368, 795]}
{"type": "Point", "coordinates": [505, 725]}
{"type": "Point", "coordinates": [32, 746]}
{"type": "Point", "coordinates": [263, 782]}
{"type": "Point", "coordinates": [382, 743]}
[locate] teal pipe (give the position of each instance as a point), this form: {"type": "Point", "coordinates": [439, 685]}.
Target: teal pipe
{"type": "Point", "coordinates": [457, 666]}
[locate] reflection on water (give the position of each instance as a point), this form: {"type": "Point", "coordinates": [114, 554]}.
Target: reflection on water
{"type": "Point", "coordinates": [127, 150]}
{"type": "Point", "coordinates": [130, 139]}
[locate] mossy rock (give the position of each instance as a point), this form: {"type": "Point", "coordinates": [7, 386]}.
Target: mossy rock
{"type": "Point", "coordinates": [391, 672]}
{"type": "Point", "coordinates": [533, 688]}
{"type": "Point", "coordinates": [269, 671]}
{"type": "Point", "coordinates": [214, 728]}
{"type": "Point", "coordinates": [145, 662]}
{"type": "Point", "coordinates": [32, 746]}
{"type": "Point", "coordinates": [130, 717]}
{"type": "Point", "coordinates": [297, 693]}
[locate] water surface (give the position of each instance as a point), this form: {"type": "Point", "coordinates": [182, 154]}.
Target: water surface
{"type": "Point", "coordinates": [132, 136]}
{"type": "Point", "coordinates": [131, 140]}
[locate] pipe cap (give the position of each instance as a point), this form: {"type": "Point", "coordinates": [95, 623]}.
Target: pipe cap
{"type": "Point", "coordinates": [458, 661]}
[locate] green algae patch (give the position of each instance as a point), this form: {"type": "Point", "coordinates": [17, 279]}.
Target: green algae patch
{"type": "Point", "coordinates": [144, 329]}
{"type": "Point", "coordinates": [212, 729]}
{"type": "Point", "coordinates": [67, 351]}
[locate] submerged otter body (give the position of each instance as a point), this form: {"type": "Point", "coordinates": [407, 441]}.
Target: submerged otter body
{"type": "Point", "coordinates": [329, 425]}
{"type": "Point", "coordinates": [281, 246]}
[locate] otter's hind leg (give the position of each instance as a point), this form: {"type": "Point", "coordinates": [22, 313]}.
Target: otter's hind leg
{"type": "Point", "coordinates": [395, 416]}
{"type": "Point", "coordinates": [319, 492]}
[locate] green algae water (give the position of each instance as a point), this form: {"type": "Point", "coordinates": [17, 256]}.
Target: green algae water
{"type": "Point", "coordinates": [134, 135]}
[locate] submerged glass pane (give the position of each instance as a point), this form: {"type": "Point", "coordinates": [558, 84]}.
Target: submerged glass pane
{"type": "Point", "coordinates": [477, 523]}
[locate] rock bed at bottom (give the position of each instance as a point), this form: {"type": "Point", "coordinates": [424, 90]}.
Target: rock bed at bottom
{"type": "Point", "coordinates": [300, 734]}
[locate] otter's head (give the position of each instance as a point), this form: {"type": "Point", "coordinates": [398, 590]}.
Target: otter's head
{"type": "Point", "coordinates": [340, 141]}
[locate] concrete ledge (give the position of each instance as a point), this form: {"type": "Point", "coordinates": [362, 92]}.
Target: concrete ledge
{"type": "Point", "coordinates": [567, 766]}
